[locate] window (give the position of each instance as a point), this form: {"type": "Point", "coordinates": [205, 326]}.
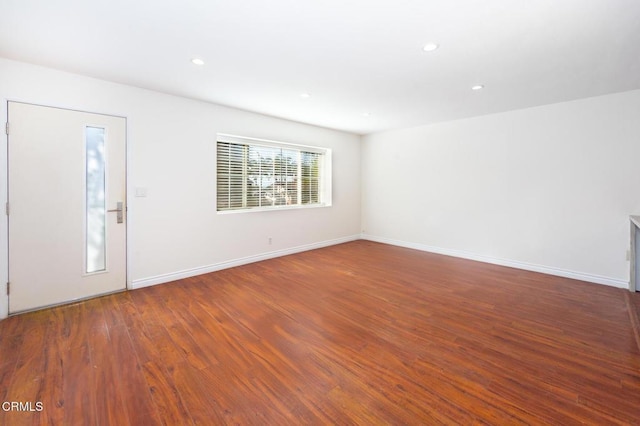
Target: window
{"type": "Point", "coordinates": [257, 174]}
{"type": "Point", "coordinates": [95, 207]}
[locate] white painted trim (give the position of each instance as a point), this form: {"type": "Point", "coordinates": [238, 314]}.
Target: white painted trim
{"type": "Point", "coordinates": [4, 197]}
{"type": "Point", "coordinates": [597, 279]}
{"type": "Point", "coordinates": [173, 276]}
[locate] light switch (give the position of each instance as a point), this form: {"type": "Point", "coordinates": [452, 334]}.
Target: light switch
{"type": "Point", "coordinates": [141, 191]}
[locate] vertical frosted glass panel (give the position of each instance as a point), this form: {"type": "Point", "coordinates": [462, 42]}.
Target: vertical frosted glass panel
{"type": "Point", "coordinates": [95, 201]}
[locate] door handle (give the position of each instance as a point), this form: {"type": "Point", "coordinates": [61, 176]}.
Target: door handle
{"type": "Point", "coordinates": [119, 210]}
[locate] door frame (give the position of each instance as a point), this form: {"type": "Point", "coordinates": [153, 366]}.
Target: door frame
{"type": "Point", "coordinates": [4, 196]}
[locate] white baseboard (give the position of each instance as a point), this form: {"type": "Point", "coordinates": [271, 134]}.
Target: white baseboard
{"type": "Point", "coordinates": [164, 278]}
{"type": "Point", "coordinates": [173, 276]}
{"type": "Point", "coordinates": [502, 262]}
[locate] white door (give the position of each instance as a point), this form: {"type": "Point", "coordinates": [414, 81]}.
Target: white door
{"type": "Point", "coordinates": [66, 175]}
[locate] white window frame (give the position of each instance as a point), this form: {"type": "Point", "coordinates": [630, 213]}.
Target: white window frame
{"type": "Point", "coordinates": [324, 190]}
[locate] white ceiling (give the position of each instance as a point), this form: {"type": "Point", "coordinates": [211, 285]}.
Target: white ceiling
{"type": "Point", "coordinates": [352, 56]}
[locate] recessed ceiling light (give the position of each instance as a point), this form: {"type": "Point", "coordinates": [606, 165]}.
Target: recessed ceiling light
{"type": "Point", "coordinates": [477, 87]}
{"type": "Point", "coordinates": [305, 95]}
{"type": "Point", "coordinates": [197, 61]}
{"type": "Point", "coordinates": [430, 47]}
{"type": "Point", "coordinates": [366, 114]}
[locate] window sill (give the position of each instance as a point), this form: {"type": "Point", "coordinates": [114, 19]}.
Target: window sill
{"type": "Point", "coordinates": [274, 208]}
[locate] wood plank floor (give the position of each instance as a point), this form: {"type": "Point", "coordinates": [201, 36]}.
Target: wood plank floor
{"type": "Point", "coordinates": [359, 333]}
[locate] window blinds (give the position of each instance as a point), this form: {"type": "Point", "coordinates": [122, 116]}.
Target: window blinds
{"type": "Point", "coordinates": [254, 176]}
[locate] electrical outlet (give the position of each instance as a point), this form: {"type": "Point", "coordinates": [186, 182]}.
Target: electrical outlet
{"type": "Point", "coordinates": [628, 254]}
{"type": "Point", "coordinates": [270, 240]}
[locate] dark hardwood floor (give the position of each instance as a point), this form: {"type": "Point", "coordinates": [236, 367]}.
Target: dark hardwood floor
{"type": "Point", "coordinates": [359, 333]}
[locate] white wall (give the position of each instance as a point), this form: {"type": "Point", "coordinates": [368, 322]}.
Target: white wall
{"type": "Point", "coordinates": [175, 230]}
{"type": "Point", "coordinates": [547, 188]}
